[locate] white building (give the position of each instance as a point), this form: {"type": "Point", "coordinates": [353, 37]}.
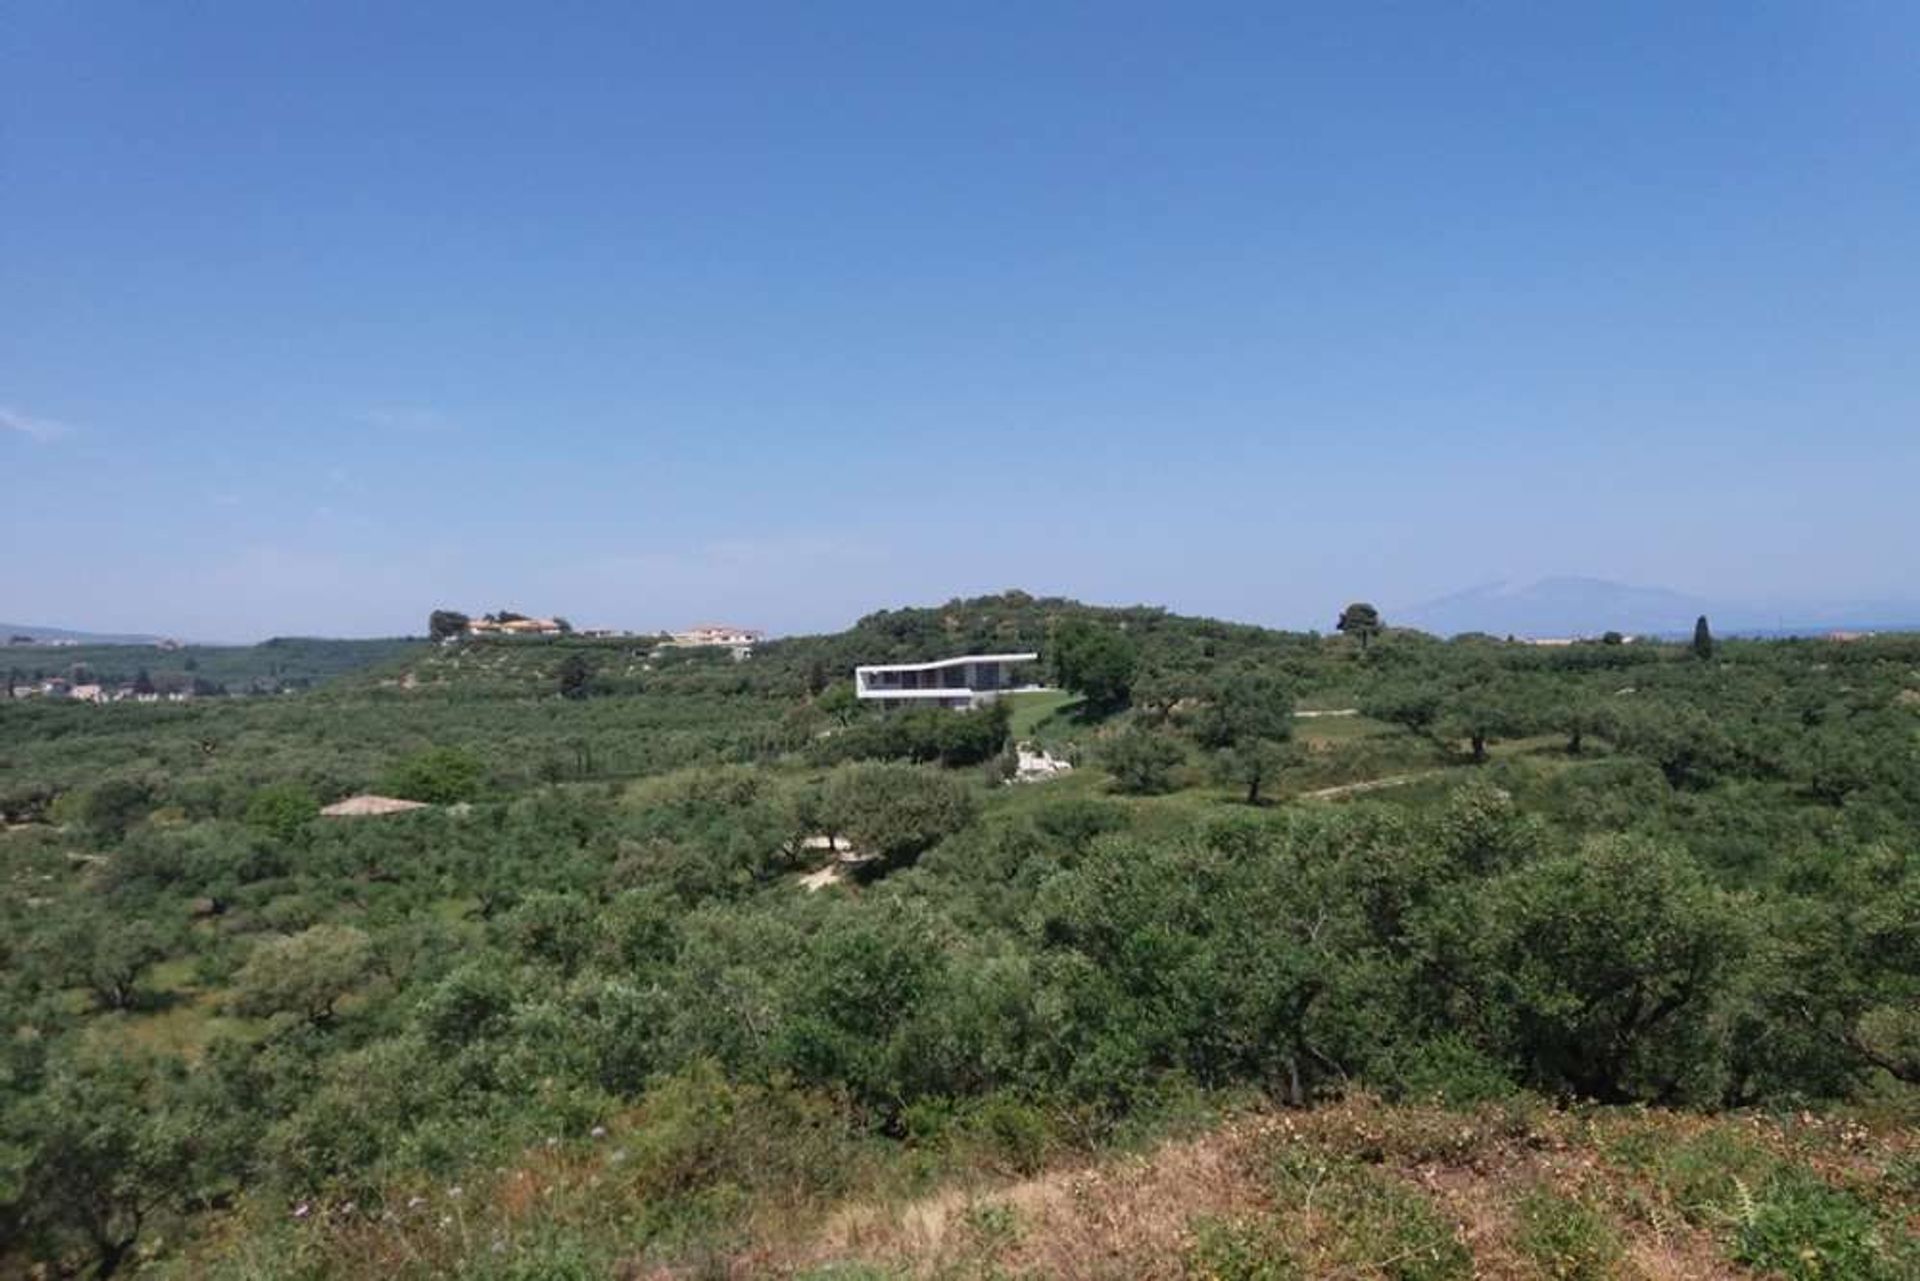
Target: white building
{"type": "Point", "coordinates": [515, 627]}
{"type": "Point", "coordinates": [971, 680]}
{"type": "Point", "coordinates": [737, 641]}
{"type": "Point", "coordinates": [719, 634]}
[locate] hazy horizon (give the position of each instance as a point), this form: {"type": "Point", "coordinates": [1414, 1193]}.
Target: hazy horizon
{"type": "Point", "coordinates": [1566, 606]}
{"type": "Point", "coordinates": [320, 319]}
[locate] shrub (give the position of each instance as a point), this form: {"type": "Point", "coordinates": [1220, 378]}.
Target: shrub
{"type": "Point", "coordinates": [438, 776]}
{"type": "Point", "coordinates": [1016, 1133]}
{"type": "Point", "coordinates": [282, 810]}
{"type": "Point", "coordinates": [556, 929]}
{"type": "Point", "coordinates": [1141, 761]}
{"type": "Point", "coordinates": [1799, 1227]}
{"type": "Point", "coordinates": [470, 1004]}
{"type": "Point", "coordinates": [107, 810]}
{"type": "Point", "coordinates": [1077, 821]}
{"type": "Point", "coordinates": [1368, 1223]}
{"type": "Point", "coordinates": [1450, 1070]}
{"type": "Point", "coordinates": [1238, 1250]}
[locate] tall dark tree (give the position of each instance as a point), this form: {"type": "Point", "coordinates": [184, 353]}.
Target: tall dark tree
{"type": "Point", "coordinates": [1702, 638]}
{"type": "Point", "coordinates": [1360, 621]}
{"type": "Point", "coordinates": [142, 683]}
{"type": "Point", "coordinates": [576, 675]}
{"type": "Point", "coordinates": [445, 623]}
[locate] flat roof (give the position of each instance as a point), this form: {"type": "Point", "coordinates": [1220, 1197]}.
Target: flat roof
{"type": "Point", "coordinates": [947, 662]}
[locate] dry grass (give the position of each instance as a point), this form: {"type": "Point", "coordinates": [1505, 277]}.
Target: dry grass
{"type": "Point", "coordinates": [1356, 1190]}
{"type": "Point", "coordinates": [1342, 1191]}
{"type": "Point", "coordinates": [1126, 1217]}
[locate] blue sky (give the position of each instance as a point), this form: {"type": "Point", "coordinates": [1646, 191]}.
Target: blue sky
{"type": "Point", "coordinates": [313, 317]}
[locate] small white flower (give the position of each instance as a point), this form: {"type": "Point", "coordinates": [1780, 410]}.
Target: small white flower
{"type": "Point", "coordinates": [598, 1132]}
{"type": "Point", "coordinates": [302, 1210]}
{"type": "Point", "coordinates": [415, 1202]}
{"type": "Point", "coordinates": [454, 1191]}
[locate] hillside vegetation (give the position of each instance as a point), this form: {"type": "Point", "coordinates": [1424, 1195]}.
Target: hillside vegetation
{"type": "Point", "coordinates": [287, 662]}
{"type": "Point", "coordinates": [1360, 954]}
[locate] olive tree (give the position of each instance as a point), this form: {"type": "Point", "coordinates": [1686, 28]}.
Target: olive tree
{"type": "Point", "coordinates": [1247, 721]}
{"type": "Point", "coordinates": [896, 812]}
{"type": "Point", "coordinates": [111, 1144]}
{"type": "Point", "coordinates": [304, 974]}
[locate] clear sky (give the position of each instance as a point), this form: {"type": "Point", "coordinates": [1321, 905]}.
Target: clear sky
{"type": "Point", "coordinates": [313, 317]}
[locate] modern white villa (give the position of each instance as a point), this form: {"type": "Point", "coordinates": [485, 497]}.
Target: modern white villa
{"type": "Point", "coordinates": [971, 680]}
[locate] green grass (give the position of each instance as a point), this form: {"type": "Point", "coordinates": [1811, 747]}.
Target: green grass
{"type": "Point", "coordinates": [185, 1026]}
{"type": "Point", "coordinates": [1568, 1240]}
{"type": "Point", "coordinates": [1030, 711]}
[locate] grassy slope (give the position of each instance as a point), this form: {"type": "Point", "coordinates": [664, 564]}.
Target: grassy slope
{"type": "Point", "coordinates": [1362, 1189]}
{"type": "Point", "coordinates": [1357, 1189]}
{"type": "Point", "coordinates": [1030, 711]}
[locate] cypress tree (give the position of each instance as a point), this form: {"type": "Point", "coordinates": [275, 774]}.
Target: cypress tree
{"type": "Point", "coordinates": [1702, 639]}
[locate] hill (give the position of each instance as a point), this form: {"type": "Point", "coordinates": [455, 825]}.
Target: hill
{"type": "Point", "coordinates": [1558, 607]}
{"type": "Point", "coordinates": [46, 635]}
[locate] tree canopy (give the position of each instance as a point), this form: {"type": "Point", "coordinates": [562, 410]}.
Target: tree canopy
{"type": "Point", "coordinates": [1095, 662]}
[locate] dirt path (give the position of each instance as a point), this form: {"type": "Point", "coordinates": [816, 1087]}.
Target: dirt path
{"type": "Point", "coordinates": [1336, 711]}
{"type": "Point", "coordinates": [1369, 785]}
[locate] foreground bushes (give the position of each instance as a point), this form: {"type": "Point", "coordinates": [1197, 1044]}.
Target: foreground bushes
{"type": "Point", "coordinates": [364, 1007]}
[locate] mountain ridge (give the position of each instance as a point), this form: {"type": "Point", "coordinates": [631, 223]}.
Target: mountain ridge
{"type": "Point", "coordinates": [46, 634]}
{"type": "Point", "coordinates": [1567, 605]}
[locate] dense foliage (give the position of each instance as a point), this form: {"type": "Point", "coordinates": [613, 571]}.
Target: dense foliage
{"type": "Point", "coordinates": [1612, 872]}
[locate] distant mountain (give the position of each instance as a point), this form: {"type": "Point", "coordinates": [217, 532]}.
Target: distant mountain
{"type": "Point", "coordinates": [48, 634]}
{"type": "Point", "coordinates": [1569, 606]}
{"type": "Point", "coordinates": [1556, 607]}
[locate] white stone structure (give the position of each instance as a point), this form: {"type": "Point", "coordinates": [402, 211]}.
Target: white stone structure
{"type": "Point", "coordinates": [971, 680]}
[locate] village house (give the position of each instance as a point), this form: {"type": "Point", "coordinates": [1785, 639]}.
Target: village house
{"type": "Point", "coordinates": [718, 634]}
{"type": "Point", "coordinates": [739, 641]}
{"type": "Point", "coordinates": [515, 627]}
